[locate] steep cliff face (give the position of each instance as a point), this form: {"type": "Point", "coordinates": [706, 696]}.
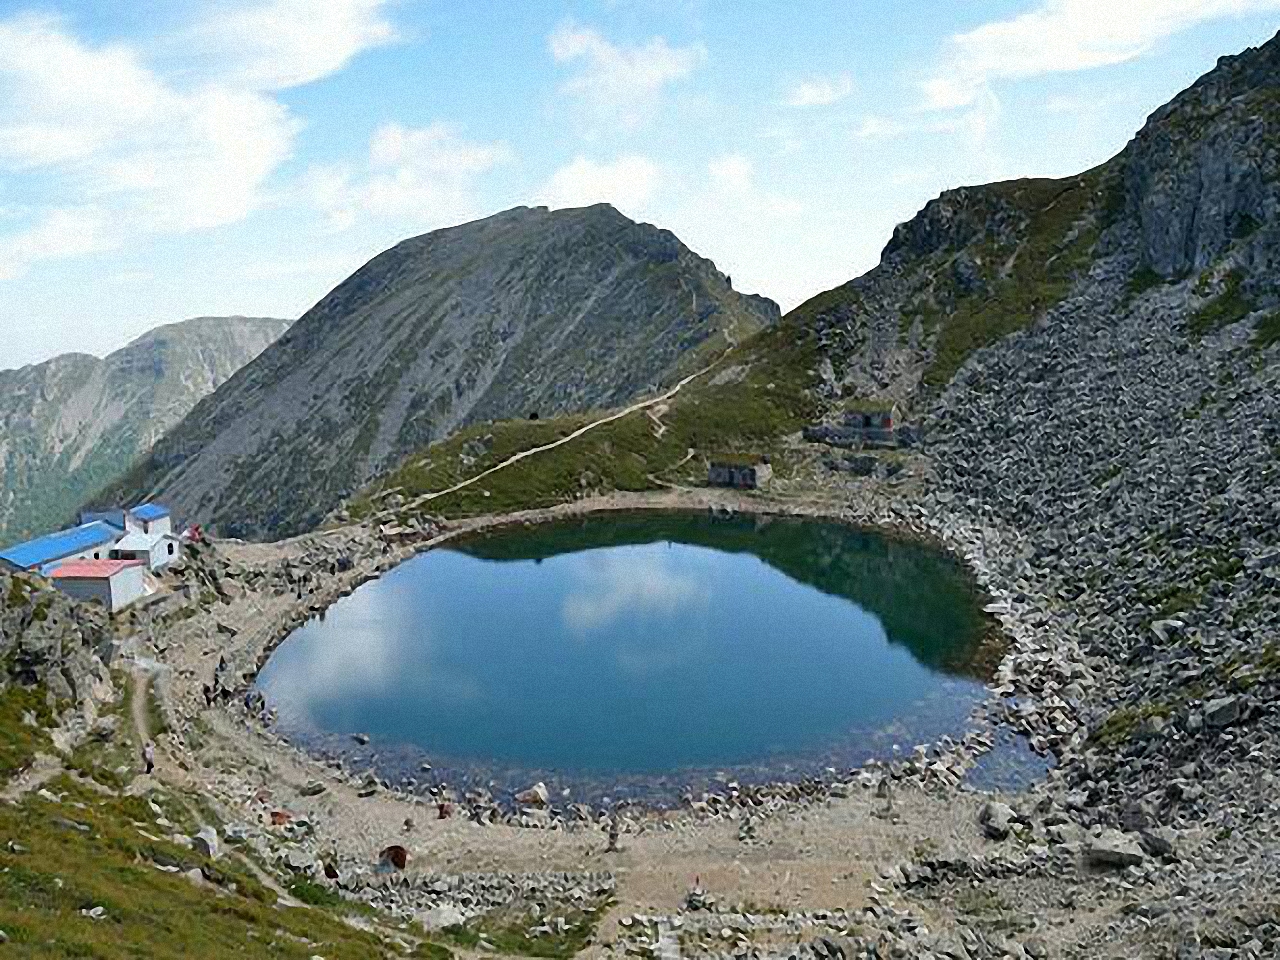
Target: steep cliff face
{"type": "Point", "coordinates": [528, 311]}
{"type": "Point", "coordinates": [1194, 195]}
{"type": "Point", "coordinates": [1204, 172]}
{"type": "Point", "coordinates": [74, 424]}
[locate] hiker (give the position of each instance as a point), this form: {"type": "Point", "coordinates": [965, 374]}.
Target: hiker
{"type": "Point", "coordinates": [149, 756]}
{"type": "Point", "coordinates": [613, 835]}
{"type": "Point", "coordinates": [884, 791]}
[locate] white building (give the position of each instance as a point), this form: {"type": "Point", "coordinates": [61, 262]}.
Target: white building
{"type": "Point", "coordinates": [112, 583]}
{"type": "Point", "coordinates": [146, 534]}
{"type": "Point", "coordinates": [89, 541]}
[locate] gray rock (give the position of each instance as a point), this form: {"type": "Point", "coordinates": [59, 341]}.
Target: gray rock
{"type": "Point", "coordinates": [1112, 848]}
{"type": "Point", "coordinates": [1223, 712]}
{"type": "Point", "coordinates": [205, 842]}
{"type": "Point", "coordinates": [300, 861]}
{"type": "Point", "coordinates": [1159, 841]}
{"type": "Point", "coordinates": [996, 819]}
{"type": "Point", "coordinates": [446, 915]}
{"type": "Point", "coordinates": [535, 796]}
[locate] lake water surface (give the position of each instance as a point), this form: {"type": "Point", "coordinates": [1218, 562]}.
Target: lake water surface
{"type": "Point", "coordinates": [636, 646]}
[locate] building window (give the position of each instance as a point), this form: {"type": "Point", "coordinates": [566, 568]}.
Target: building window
{"type": "Point", "coordinates": [96, 556]}
{"type": "Point", "coordinates": [171, 549]}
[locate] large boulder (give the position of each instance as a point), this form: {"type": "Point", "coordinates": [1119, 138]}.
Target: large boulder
{"type": "Point", "coordinates": [996, 819]}
{"type": "Point", "coordinates": [1223, 712]}
{"type": "Point", "coordinates": [1111, 848]}
{"type": "Point", "coordinates": [205, 842]}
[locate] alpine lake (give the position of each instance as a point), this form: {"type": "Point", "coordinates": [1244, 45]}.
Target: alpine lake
{"type": "Point", "coordinates": [634, 656]}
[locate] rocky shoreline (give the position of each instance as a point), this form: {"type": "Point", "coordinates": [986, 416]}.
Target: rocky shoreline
{"type": "Point", "coordinates": [1123, 825]}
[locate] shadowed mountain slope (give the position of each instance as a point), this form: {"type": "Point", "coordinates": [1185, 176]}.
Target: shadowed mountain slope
{"type": "Point", "coordinates": [529, 311]}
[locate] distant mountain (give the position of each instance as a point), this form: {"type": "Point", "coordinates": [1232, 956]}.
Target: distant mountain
{"type": "Point", "coordinates": [529, 311]}
{"type": "Point", "coordinates": [74, 424]}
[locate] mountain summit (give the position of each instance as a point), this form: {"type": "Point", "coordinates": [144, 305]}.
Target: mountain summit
{"type": "Point", "coordinates": [527, 312]}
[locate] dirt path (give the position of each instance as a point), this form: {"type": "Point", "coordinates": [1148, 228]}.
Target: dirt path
{"type": "Point", "coordinates": [516, 458]}
{"type": "Point", "coordinates": [138, 706]}
{"type": "Point", "coordinates": [43, 769]}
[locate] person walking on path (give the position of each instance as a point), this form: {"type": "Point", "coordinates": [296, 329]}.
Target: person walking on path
{"type": "Point", "coordinates": [149, 756]}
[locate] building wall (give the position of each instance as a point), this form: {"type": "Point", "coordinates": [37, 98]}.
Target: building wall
{"type": "Point", "coordinates": [160, 555]}
{"type": "Point", "coordinates": [120, 590]}
{"type": "Point", "coordinates": [158, 528]}
{"type": "Point", "coordinates": [98, 589]}
{"type": "Point", "coordinates": [741, 477]}
{"type": "Point", "coordinates": [128, 586]}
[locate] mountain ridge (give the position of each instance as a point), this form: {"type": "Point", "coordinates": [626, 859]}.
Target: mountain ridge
{"type": "Point", "coordinates": [527, 312]}
{"type": "Point", "coordinates": [75, 422]}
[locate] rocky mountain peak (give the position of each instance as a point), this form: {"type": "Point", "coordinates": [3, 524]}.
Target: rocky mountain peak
{"type": "Point", "coordinates": [527, 311]}
{"type": "Point", "coordinates": [1204, 171]}
{"type": "Point", "coordinates": [75, 423]}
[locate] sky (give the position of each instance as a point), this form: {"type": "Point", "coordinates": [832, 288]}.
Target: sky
{"type": "Point", "coordinates": [163, 159]}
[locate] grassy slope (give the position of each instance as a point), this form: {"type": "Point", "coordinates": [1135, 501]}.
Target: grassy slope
{"type": "Point", "coordinates": [86, 852]}
{"type": "Point", "coordinates": [762, 395]}
{"type": "Point", "coordinates": [91, 846]}
{"type": "Point", "coordinates": [1056, 246]}
{"type": "Point", "coordinates": [88, 871]}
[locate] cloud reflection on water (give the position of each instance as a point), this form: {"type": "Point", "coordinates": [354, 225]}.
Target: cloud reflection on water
{"type": "Point", "coordinates": [365, 652]}
{"type": "Point", "coordinates": [629, 582]}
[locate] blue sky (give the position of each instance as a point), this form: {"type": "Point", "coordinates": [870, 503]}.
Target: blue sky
{"type": "Point", "coordinates": [160, 160]}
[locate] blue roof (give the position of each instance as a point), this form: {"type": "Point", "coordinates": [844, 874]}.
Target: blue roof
{"type": "Point", "coordinates": [149, 511]}
{"type": "Point", "coordinates": [55, 546]}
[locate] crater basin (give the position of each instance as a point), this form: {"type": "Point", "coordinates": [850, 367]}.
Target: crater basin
{"type": "Point", "coordinates": [636, 653]}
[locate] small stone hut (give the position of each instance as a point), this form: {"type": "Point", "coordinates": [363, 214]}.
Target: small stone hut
{"type": "Point", "coordinates": [739, 473]}
{"type": "Point", "coordinates": [865, 423]}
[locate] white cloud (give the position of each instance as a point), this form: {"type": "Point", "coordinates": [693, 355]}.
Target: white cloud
{"type": "Point", "coordinates": [623, 84]}
{"type": "Point", "coordinates": [55, 235]}
{"type": "Point", "coordinates": [287, 43]}
{"type": "Point", "coordinates": [733, 187]}
{"type": "Point", "coordinates": [1063, 36]}
{"type": "Point", "coordinates": [877, 127]}
{"type": "Point", "coordinates": [424, 174]}
{"type": "Point", "coordinates": [120, 149]}
{"type": "Point", "coordinates": [629, 183]}
{"type": "Point", "coordinates": [819, 91]}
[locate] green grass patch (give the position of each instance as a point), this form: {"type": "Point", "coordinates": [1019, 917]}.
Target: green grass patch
{"type": "Point", "coordinates": [16, 595]}
{"type": "Point", "coordinates": [315, 894]}
{"type": "Point", "coordinates": [510, 935]}
{"type": "Point", "coordinates": [1174, 599]}
{"type": "Point", "coordinates": [1122, 723]}
{"type": "Point", "coordinates": [20, 737]}
{"type": "Point", "coordinates": [1143, 279]}
{"type": "Point", "coordinates": [1267, 331]}
{"type": "Point", "coordinates": [431, 951]}
{"type": "Point", "coordinates": [741, 415]}
{"type": "Point", "coordinates": [1228, 307]}
{"type": "Point", "coordinates": [1052, 251]}
{"type": "Point", "coordinates": [86, 852]}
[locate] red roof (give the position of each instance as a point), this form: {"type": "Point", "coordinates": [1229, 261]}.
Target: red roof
{"type": "Point", "coordinates": [92, 569]}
